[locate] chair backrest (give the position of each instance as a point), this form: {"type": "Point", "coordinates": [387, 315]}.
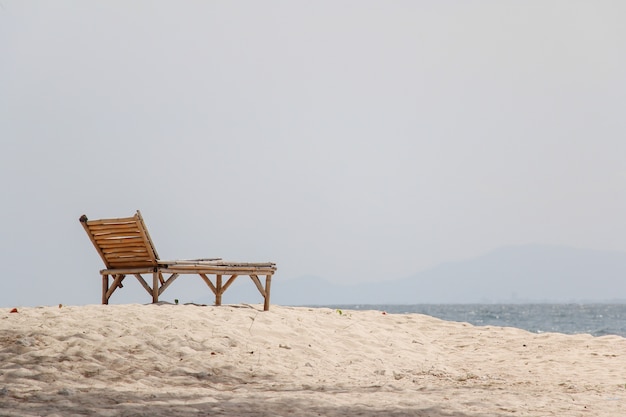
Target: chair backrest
{"type": "Point", "coordinates": [122, 243]}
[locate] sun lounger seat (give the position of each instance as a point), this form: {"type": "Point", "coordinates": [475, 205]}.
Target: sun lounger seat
{"type": "Point", "coordinates": [126, 248]}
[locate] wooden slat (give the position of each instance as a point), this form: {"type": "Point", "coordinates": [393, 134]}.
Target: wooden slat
{"type": "Point", "coordinates": [121, 251]}
{"type": "Point", "coordinates": [110, 234]}
{"type": "Point", "coordinates": [219, 268]}
{"type": "Point", "coordinates": [128, 271]}
{"type": "Point", "coordinates": [121, 244]}
{"type": "Point", "coordinates": [221, 265]}
{"type": "Point", "coordinates": [215, 271]}
{"type": "Point", "coordinates": [123, 247]}
{"type": "Point", "coordinates": [189, 261]}
{"type": "Point", "coordinates": [122, 265]}
{"type": "Point", "coordinates": [127, 254]}
{"type": "Point", "coordinates": [130, 262]}
{"type": "Point", "coordinates": [215, 262]}
{"type": "Point", "coordinates": [128, 259]}
{"type": "Point", "coordinates": [113, 226]}
{"type": "Point", "coordinates": [111, 221]}
{"type": "Point", "coordinates": [121, 240]}
{"type": "Point", "coordinates": [246, 264]}
{"type": "Point", "coordinates": [119, 236]}
{"type": "Point", "coordinates": [122, 227]}
{"type": "Point", "coordinates": [118, 243]}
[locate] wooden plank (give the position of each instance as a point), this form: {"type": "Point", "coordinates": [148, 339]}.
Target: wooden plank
{"type": "Point", "coordinates": [116, 233]}
{"type": "Point", "coordinates": [112, 239]}
{"type": "Point", "coordinates": [119, 240]}
{"type": "Point", "coordinates": [115, 230]}
{"type": "Point", "coordinates": [130, 263]}
{"type": "Point", "coordinates": [121, 228]}
{"type": "Point", "coordinates": [113, 226]}
{"type": "Point", "coordinates": [204, 261]}
{"type": "Point", "coordinates": [129, 251]}
{"type": "Point", "coordinates": [125, 262]}
{"type": "Point", "coordinates": [109, 221]}
{"type": "Point", "coordinates": [111, 244]}
{"type": "Point", "coordinates": [128, 246]}
{"type": "Point", "coordinates": [124, 248]}
{"type": "Point", "coordinates": [126, 254]}
{"type": "Point", "coordinates": [246, 264]}
{"type": "Point", "coordinates": [104, 224]}
{"type": "Point", "coordinates": [146, 269]}
{"type": "Point", "coordinates": [209, 265]}
{"type": "Point", "coordinates": [215, 262]}
{"type": "Point", "coordinates": [128, 259]}
{"type": "Point", "coordinates": [129, 271]}
{"type": "Point", "coordinates": [220, 270]}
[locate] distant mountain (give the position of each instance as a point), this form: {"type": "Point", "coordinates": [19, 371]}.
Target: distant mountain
{"type": "Point", "coordinates": [521, 274]}
{"type": "Point", "coordinates": [514, 274]}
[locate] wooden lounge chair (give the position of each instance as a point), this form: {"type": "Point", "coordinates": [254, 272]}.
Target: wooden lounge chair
{"type": "Point", "coordinates": [126, 249]}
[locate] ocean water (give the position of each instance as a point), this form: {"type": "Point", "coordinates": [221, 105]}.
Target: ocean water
{"type": "Point", "coordinates": [594, 319]}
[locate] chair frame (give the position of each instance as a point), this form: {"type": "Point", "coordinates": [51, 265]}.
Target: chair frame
{"type": "Point", "coordinates": [126, 248]}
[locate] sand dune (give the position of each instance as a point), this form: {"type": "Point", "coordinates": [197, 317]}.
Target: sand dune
{"type": "Point", "coordinates": [169, 360]}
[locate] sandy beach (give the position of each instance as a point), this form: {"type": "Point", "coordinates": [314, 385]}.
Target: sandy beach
{"type": "Point", "coordinates": [188, 360]}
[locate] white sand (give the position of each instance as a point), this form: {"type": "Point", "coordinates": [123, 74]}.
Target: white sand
{"type": "Point", "coordinates": [167, 360]}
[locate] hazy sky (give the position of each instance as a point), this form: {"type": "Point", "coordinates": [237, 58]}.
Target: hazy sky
{"type": "Point", "coordinates": [352, 140]}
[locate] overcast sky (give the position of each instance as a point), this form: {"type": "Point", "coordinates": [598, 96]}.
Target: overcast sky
{"type": "Point", "coordinates": [352, 140]}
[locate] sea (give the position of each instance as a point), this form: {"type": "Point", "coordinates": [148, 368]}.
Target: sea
{"type": "Point", "coordinates": [594, 319]}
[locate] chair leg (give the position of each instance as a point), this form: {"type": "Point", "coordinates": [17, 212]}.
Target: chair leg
{"type": "Point", "coordinates": [155, 287]}
{"type": "Point", "coordinates": [268, 284]}
{"type": "Point", "coordinates": [218, 290]}
{"type": "Point", "coordinates": [105, 288]}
